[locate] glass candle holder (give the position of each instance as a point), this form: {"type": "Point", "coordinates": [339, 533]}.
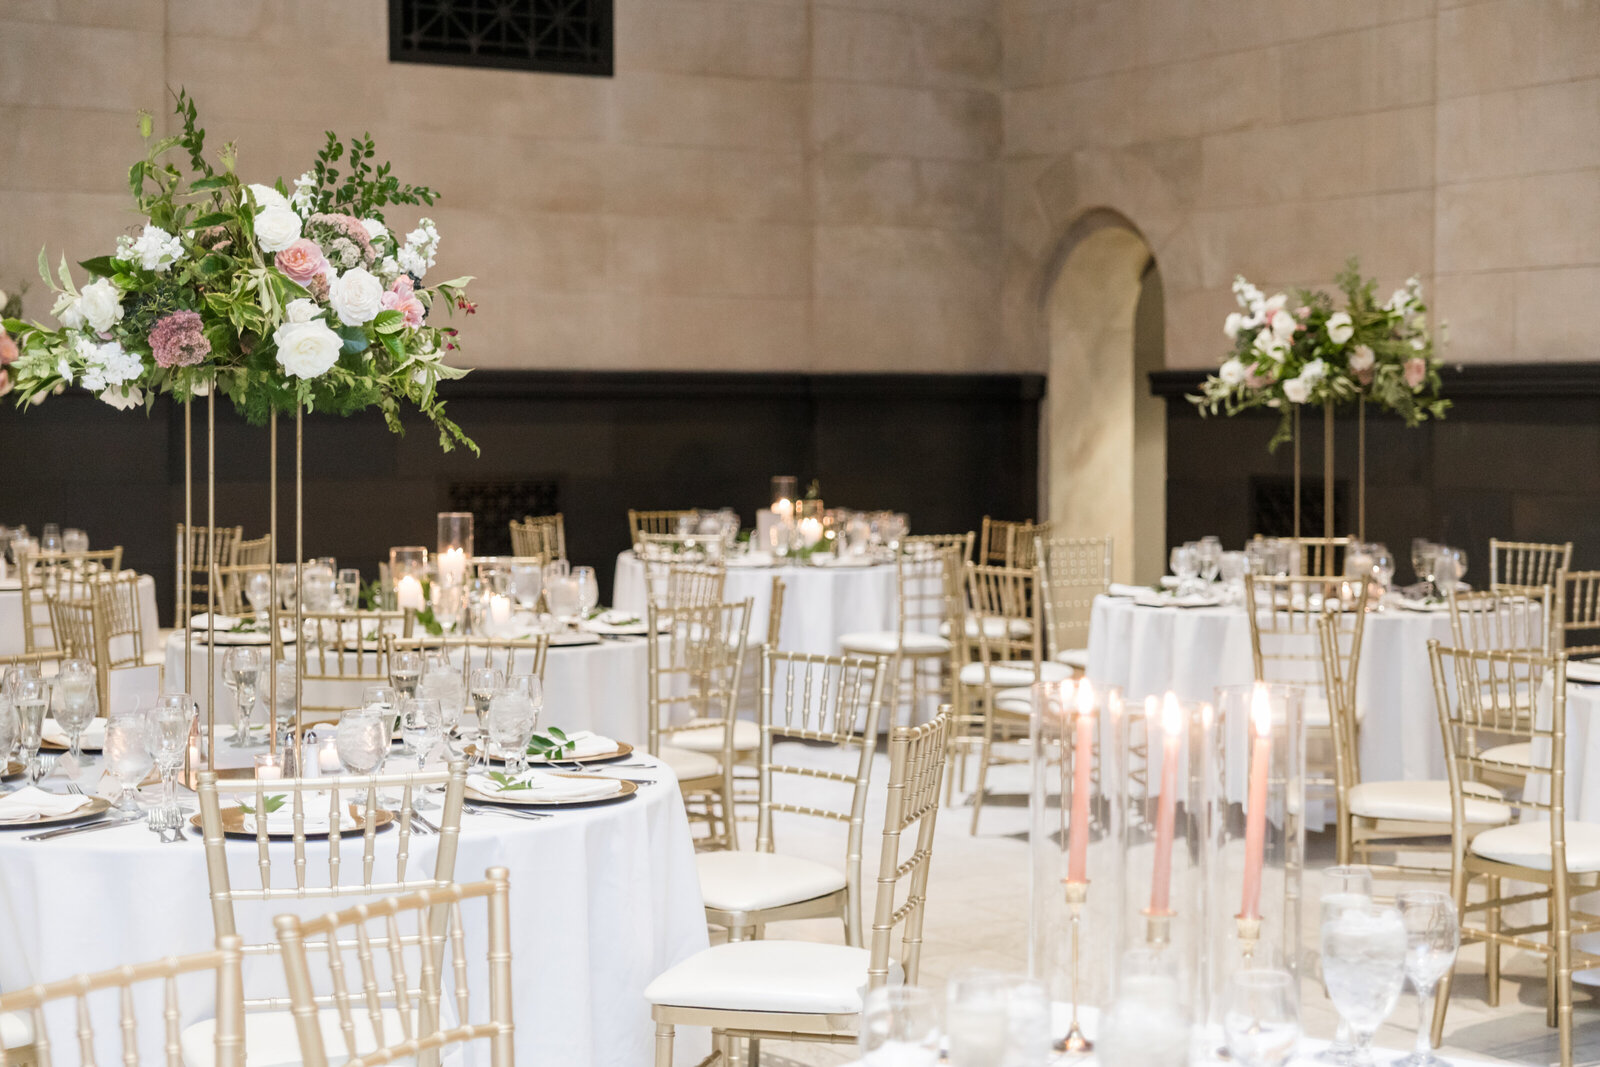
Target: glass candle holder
{"type": "Point", "coordinates": [408, 569]}
{"type": "Point", "coordinates": [455, 546]}
{"type": "Point", "coordinates": [785, 487]}
{"type": "Point", "coordinates": [1075, 841]}
{"type": "Point", "coordinates": [1256, 770]}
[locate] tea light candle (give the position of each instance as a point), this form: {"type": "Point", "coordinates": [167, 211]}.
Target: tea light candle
{"type": "Point", "coordinates": [328, 758]}
{"type": "Point", "coordinates": [452, 566]}
{"type": "Point", "coordinates": [268, 767]}
{"type": "Point", "coordinates": [408, 594]}
{"type": "Point", "coordinates": [499, 610]}
{"type": "Point", "coordinates": [783, 508]}
{"type": "Point", "coordinates": [810, 531]}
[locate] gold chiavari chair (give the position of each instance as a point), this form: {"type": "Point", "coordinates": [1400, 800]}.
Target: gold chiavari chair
{"type": "Point", "coordinates": [749, 988]}
{"type": "Point", "coordinates": [1476, 693]}
{"type": "Point", "coordinates": [248, 558]}
{"type": "Point", "coordinates": [1526, 564]}
{"type": "Point", "coordinates": [1004, 653]}
{"type": "Point", "coordinates": [925, 642]}
{"type": "Point", "coordinates": [1072, 572]}
{"type": "Point", "coordinates": [540, 535]}
{"type": "Point", "coordinates": [419, 1026]}
{"type": "Point", "coordinates": [98, 620]}
{"type": "Point", "coordinates": [775, 613]}
{"type": "Point", "coordinates": [203, 544]}
{"type": "Point", "coordinates": [1509, 617]}
{"type": "Point", "coordinates": [654, 522]}
{"type": "Point", "coordinates": [25, 1009]}
{"type": "Point", "coordinates": [830, 701]}
{"type": "Point", "coordinates": [42, 574]}
{"type": "Point", "coordinates": [671, 584]}
{"type": "Point", "coordinates": [509, 655]}
{"type": "Point", "coordinates": [343, 650]}
{"type": "Point", "coordinates": [961, 542]}
{"type": "Point", "coordinates": [1392, 816]}
{"type": "Point", "coordinates": [1010, 544]}
{"type": "Point", "coordinates": [1321, 557]}
{"type": "Point", "coordinates": [1577, 614]}
{"type": "Point", "coordinates": [1286, 647]}
{"type": "Point", "coordinates": [319, 846]}
{"type": "Point", "coordinates": [696, 660]}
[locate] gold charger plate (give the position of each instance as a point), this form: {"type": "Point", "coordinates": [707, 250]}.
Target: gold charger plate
{"type": "Point", "coordinates": [57, 746]}
{"type": "Point", "coordinates": [623, 749]}
{"type": "Point", "coordinates": [627, 790]}
{"type": "Point", "coordinates": [233, 824]}
{"type": "Point", "coordinates": [96, 806]}
{"type": "Point", "coordinates": [12, 769]}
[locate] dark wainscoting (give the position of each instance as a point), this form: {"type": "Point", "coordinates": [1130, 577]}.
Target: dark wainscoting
{"type": "Point", "coordinates": [947, 449]}
{"type": "Point", "coordinates": [1517, 457]}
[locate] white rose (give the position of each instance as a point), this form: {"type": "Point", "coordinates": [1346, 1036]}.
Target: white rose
{"type": "Point", "coordinates": [1362, 359]}
{"type": "Point", "coordinates": [1339, 328]}
{"type": "Point", "coordinates": [306, 349]}
{"type": "Point", "coordinates": [356, 296]}
{"type": "Point", "coordinates": [301, 310]}
{"type": "Point", "coordinates": [374, 228]}
{"type": "Point", "coordinates": [67, 312]}
{"type": "Point", "coordinates": [156, 249]}
{"type": "Point", "coordinates": [277, 227]}
{"type": "Point", "coordinates": [1275, 302]}
{"type": "Point", "coordinates": [1314, 371]}
{"type": "Point", "coordinates": [129, 396]}
{"type": "Point", "coordinates": [389, 268]}
{"type": "Point", "coordinates": [266, 196]}
{"type": "Point", "coordinates": [1283, 324]}
{"type": "Point", "coordinates": [1267, 344]}
{"type": "Point", "coordinates": [1232, 372]}
{"type": "Point", "coordinates": [1233, 324]}
{"type": "Point", "coordinates": [1297, 390]}
{"type": "Point", "coordinates": [100, 304]}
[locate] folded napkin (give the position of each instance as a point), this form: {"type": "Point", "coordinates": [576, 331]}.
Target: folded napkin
{"type": "Point", "coordinates": [1584, 670]}
{"type": "Point", "coordinates": [1151, 599]}
{"type": "Point", "coordinates": [1421, 605]}
{"type": "Point", "coordinates": [617, 617]}
{"type": "Point", "coordinates": [589, 743]}
{"type": "Point", "coordinates": [93, 736]}
{"type": "Point", "coordinates": [31, 803]}
{"type": "Point", "coordinates": [751, 559]}
{"type": "Point", "coordinates": [224, 622]}
{"type": "Point", "coordinates": [316, 816]}
{"type": "Point", "coordinates": [546, 787]}
{"type": "Point", "coordinates": [1119, 589]}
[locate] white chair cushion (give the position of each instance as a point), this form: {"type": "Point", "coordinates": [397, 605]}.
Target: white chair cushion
{"type": "Point", "coordinates": [786, 976]}
{"type": "Point", "coordinates": [1018, 701]}
{"type": "Point", "coordinates": [270, 1039]}
{"type": "Point", "coordinates": [747, 881]}
{"type": "Point", "coordinates": [1527, 844]}
{"type": "Point", "coordinates": [992, 626]}
{"type": "Point", "coordinates": [1074, 657]}
{"type": "Point", "coordinates": [689, 765]}
{"type": "Point", "coordinates": [746, 737]}
{"type": "Point", "coordinates": [15, 1030]}
{"type": "Point", "coordinates": [1012, 672]}
{"type": "Point", "coordinates": [1424, 801]}
{"type": "Point", "coordinates": [1518, 752]}
{"type": "Point", "coordinates": [887, 643]}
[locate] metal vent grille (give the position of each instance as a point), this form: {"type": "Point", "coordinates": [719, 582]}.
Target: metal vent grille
{"type": "Point", "coordinates": [553, 36]}
{"type": "Point", "coordinates": [1272, 506]}
{"type": "Point", "coordinates": [495, 504]}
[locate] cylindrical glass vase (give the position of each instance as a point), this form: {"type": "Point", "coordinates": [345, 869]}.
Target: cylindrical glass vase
{"type": "Point", "coordinates": [455, 546]}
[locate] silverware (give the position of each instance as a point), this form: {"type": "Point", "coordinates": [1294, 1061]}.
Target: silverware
{"type": "Point", "coordinates": [490, 809]}
{"type": "Point", "coordinates": [81, 828]}
{"type": "Point", "coordinates": [421, 820]}
{"type": "Point", "coordinates": [72, 787]}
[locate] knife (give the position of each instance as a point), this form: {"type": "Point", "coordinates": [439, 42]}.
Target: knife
{"type": "Point", "coordinates": [81, 828]}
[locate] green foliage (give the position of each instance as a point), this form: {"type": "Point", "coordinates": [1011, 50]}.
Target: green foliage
{"type": "Point", "coordinates": [507, 783]}
{"type": "Point", "coordinates": [552, 744]}
{"type": "Point", "coordinates": [268, 804]}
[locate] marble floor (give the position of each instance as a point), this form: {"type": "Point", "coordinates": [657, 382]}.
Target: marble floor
{"type": "Point", "coordinates": [977, 917]}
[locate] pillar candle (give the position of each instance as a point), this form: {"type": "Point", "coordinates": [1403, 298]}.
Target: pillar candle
{"type": "Point", "coordinates": [1255, 828]}
{"type": "Point", "coordinates": [1082, 766]}
{"type": "Point", "coordinates": [1166, 804]}
{"type": "Point", "coordinates": [452, 566]}
{"type": "Point", "coordinates": [408, 594]}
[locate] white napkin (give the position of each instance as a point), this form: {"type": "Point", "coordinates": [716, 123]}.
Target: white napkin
{"type": "Point", "coordinates": [93, 736]}
{"type": "Point", "coordinates": [1583, 670]}
{"type": "Point", "coordinates": [547, 787]}
{"type": "Point", "coordinates": [315, 807]}
{"type": "Point", "coordinates": [589, 743]}
{"type": "Point", "coordinates": [1119, 589]}
{"type": "Point", "coordinates": [751, 559]}
{"type": "Point", "coordinates": [1151, 599]}
{"type": "Point", "coordinates": [224, 622]}
{"type": "Point", "coordinates": [1421, 605]}
{"type": "Point", "coordinates": [31, 802]}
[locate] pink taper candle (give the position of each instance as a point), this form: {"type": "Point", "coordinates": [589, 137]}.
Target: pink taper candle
{"type": "Point", "coordinates": [1082, 764]}
{"type": "Point", "coordinates": [1255, 827]}
{"type": "Point", "coordinates": [1166, 805]}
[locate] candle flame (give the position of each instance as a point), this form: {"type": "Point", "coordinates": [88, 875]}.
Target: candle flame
{"type": "Point", "coordinates": [1152, 706]}
{"type": "Point", "coordinates": [1261, 711]}
{"type": "Point", "coordinates": [1063, 696]}
{"type": "Point", "coordinates": [1171, 715]}
{"type": "Point", "coordinates": [1206, 715]}
{"type": "Point", "coordinates": [1085, 698]}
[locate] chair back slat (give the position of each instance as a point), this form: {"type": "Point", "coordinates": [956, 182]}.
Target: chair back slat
{"type": "Point", "coordinates": [198, 548]}
{"type": "Point", "coordinates": [1504, 617]}
{"type": "Point", "coordinates": [1525, 565]}
{"type": "Point", "coordinates": [540, 535]}
{"type": "Point", "coordinates": [1577, 614]}
{"type": "Point", "coordinates": [654, 522]}
{"type": "Point", "coordinates": [671, 584]}
{"type": "Point", "coordinates": [46, 574]}
{"type": "Point", "coordinates": [695, 663]}
{"type": "Point", "coordinates": [1285, 615]}
{"type": "Point", "coordinates": [1000, 613]}
{"type": "Point", "coordinates": [1072, 572]}
{"type": "Point", "coordinates": [916, 763]}
{"type": "Point", "coordinates": [509, 655]}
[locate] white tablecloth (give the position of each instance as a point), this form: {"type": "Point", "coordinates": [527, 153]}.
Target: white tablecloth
{"type": "Point", "coordinates": [1191, 651]}
{"type": "Point", "coordinates": [11, 642]}
{"type": "Point", "coordinates": [820, 604]}
{"type": "Point", "coordinates": [598, 687]}
{"type": "Point", "coordinates": [603, 899]}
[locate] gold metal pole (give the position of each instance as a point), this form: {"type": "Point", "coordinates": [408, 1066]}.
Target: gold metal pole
{"type": "Point", "coordinates": [1361, 471]}
{"type": "Point", "coordinates": [1327, 483]}
{"type": "Point", "coordinates": [274, 639]}
{"type": "Point", "coordinates": [211, 574]}
{"type": "Point", "coordinates": [183, 549]}
{"type": "Point", "coordinates": [299, 584]}
{"type": "Point", "coordinates": [1297, 472]}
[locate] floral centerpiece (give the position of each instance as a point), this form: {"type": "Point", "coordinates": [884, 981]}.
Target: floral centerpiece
{"type": "Point", "coordinates": [10, 308]}
{"type": "Point", "coordinates": [279, 298]}
{"type": "Point", "coordinates": [1305, 350]}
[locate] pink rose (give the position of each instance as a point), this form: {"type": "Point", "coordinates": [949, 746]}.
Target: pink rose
{"type": "Point", "coordinates": [1416, 372]}
{"type": "Point", "coordinates": [8, 349]}
{"type": "Point", "coordinates": [402, 297]}
{"type": "Point", "coordinates": [301, 261]}
{"type": "Point", "coordinates": [5, 381]}
{"type": "Point", "coordinates": [1259, 381]}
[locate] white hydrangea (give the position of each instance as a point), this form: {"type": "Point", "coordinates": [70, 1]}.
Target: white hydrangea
{"type": "Point", "coordinates": [156, 249]}
{"type": "Point", "coordinates": [421, 245]}
{"type": "Point", "coordinates": [106, 364]}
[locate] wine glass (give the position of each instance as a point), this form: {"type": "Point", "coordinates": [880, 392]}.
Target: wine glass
{"type": "Point", "coordinates": [361, 740]}
{"type": "Point", "coordinates": [1261, 1017]}
{"type": "Point", "coordinates": [75, 681]}
{"type": "Point", "coordinates": [422, 726]}
{"type": "Point", "coordinates": [258, 590]}
{"type": "Point", "coordinates": [1364, 967]}
{"type": "Point", "coordinates": [1208, 554]}
{"type": "Point", "coordinates": [481, 688]}
{"type": "Point", "coordinates": [1185, 565]}
{"type": "Point", "coordinates": [167, 727]}
{"type": "Point", "coordinates": [512, 718]}
{"type": "Point", "coordinates": [350, 588]}
{"type": "Point", "coordinates": [900, 1026]}
{"type": "Point", "coordinates": [526, 583]}
{"type": "Point", "coordinates": [1432, 937]}
{"type": "Point", "coordinates": [287, 591]}
{"type": "Point", "coordinates": [1382, 566]}
{"type": "Point", "coordinates": [127, 755]}
{"type": "Point", "coordinates": [405, 670]}
{"type": "Point", "coordinates": [31, 697]}
{"type": "Point", "coordinates": [50, 538]}
{"type": "Point", "coordinates": [74, 540]}
{"type": "Point", "coordinates": [1422, 559]}
{"type": "Point", "coordinates": [241, 666]}
{"type": "Point", "coordinates": [284, 705]}
{"type": "Point", "coordinates": [10, 727]}
{"type": "Point", "coordinates": [1343, 886]}
{"type": "Point", "coordinates": [588, 587]}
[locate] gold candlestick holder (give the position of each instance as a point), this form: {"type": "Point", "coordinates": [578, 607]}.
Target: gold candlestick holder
{"type": "Point", "coordinates": [1158, 926]}
{"type": "Point", "coordinates": [1249, 936]}
{"type": "Point", "coordinates": [1075, 1041]}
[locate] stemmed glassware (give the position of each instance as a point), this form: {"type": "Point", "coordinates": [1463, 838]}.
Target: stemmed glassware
{"type": "Point", "coordinates": [167, 727]}
{"type": "Point", "coordinates": [241, 669]}
{"type": "Point", "coordinates": [1186, 566]}
{"type": "Point", "coordinates": [9, 728]}
{"type": "Point", "coordinates": [1382, 566]}
{"type": "Point", "coordinates": [405, 670]}
{"type": "Point", "coordinates": [1261, 1017]}
{"type": "Point", "coordinates": [362, 740]}
{"type": "Point", "coordinates": [31, 697]}
{"type": "Point", "coordinates": [512, 719]}
{"type": "Point", "coordinates": [284, 709]}
{"type": "Point", "coordinates": [1422, 551]}
{"type": "Point", "coordinates": [900, 1026]}
{"type": "Point", "coordinates": [127, 755]}
{"type": "Point", "coordinates": [1432, 937]}
{"type": "Point", "coordinates": [1343, 886]}
{"type": "Point", "coordinates": [526, 583]}
{"type": "Point", "coordinates": [422, 726]}
{"type": "Point", "coordinates": [350, 589]}
{"type": "Point", "coordinates": [258, 590]}
{"type": "Point", "coordinates": [588, 588]}
{"type": "Point", "coordinates": [1208, 557]}
{"type": "Point", "coordinates": [1364, 966]}
{"type": "Point", "coordinates": [481, 686]}
{"type": "Point", "coordinates": [50, 538]}
{"type": "Point", "coordinates": [75, 680]}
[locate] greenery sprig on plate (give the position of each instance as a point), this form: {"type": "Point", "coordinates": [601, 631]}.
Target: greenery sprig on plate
{"type": "Point", "coordinates": [268, 805]}
{"type": "Point", "coordinates": [508, 783]}
{"type": "Point", "coordinates": [552, 744]}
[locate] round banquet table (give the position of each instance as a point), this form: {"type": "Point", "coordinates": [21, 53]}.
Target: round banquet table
{"type": "Point", "coordinates": [1148, 650]}
{"type": "Point", "coordinates": [599, 687]}
{"type": "Point", "coordinates": [603, 898]}
{"type": "Point", "coordinates": [11, 642]}
{"type": "Point", "coordinates": [820, 603]}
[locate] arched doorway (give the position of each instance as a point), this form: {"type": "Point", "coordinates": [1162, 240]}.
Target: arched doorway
{"type": "Point", "coordinates": [1105, 435]}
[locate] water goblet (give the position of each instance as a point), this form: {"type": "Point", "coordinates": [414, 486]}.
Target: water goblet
{"type": "Point", "coordinates": [1261, 1017]}
{"type": "Point", "coordinates": [512, 719]}
{"type": "Point", "coordinates": [1208, 555]}
{"type": "Point", "coordinates": [1422, 559]}
{"type": "Point", "coordinates": [527, 581]}
{"type": "Point", "coordinates": [288, 593]}
{"type": "Point", "coordinates": [1364, 967]}
{"type": "Point", "coordinates": [405, 670]}
{"type": "Point", "coordinates": [31, 697]}
{"type": "Point", "coordinates": [241, 666]}
{"type": "Point", "coordinates": [1382, 567]}
{"type": "Point", "coordinates": [1185, 565]}
{"type": "Point", "coordinates": [1343, 886]}
{"type": "Point", "coordinates": [899, 1027]}
{"type": "Point", "coordinates": [50, 538]}
{"type": "Point", "coordinates": [421, 726]}
{"type": "Point", "coordinates": [350, 588]}
{"type": "Point", "coordinates": [74, 540]}
{"type": "Point", "coordinates": [167, 728]}
{"type": "Point", "coordinates": [10, 727]}
{"type": "Point", "coordinates": [127, 755]}
{"type": "Point", "coordinates": [283, 703]}
{"type": "Point", "coordinates": [75, 681]}
{"type": "Point", "coordinates": [1432, 937]}
{"type": "Point", "coordinates": [362, 741]}
{"type": "Point", "coordinates": [588, 589]}
{"type": "Point", "coordinates": [481, 686]}
{"type": "Point", "coordinates": [258, 590]}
